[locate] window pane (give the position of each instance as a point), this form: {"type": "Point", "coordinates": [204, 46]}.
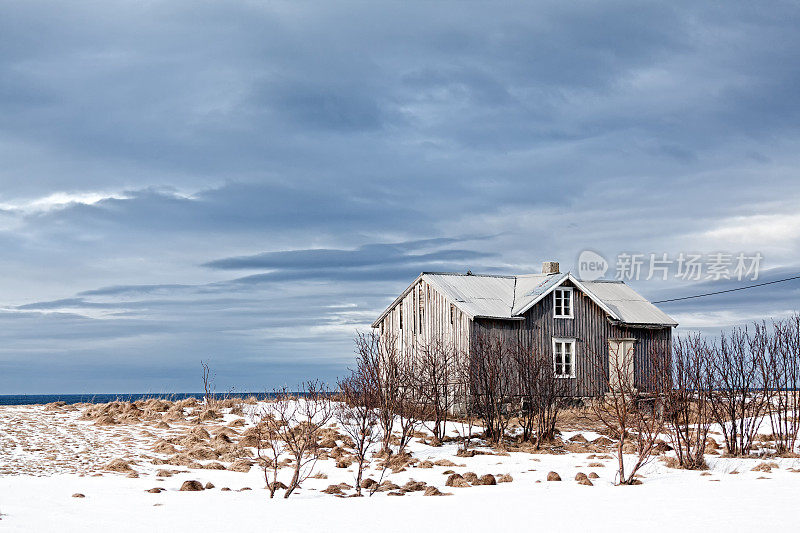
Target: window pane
{"type": "Point", "coordinates": [567, 358]}
{"type": "Point", "coordinates": [559, 357]}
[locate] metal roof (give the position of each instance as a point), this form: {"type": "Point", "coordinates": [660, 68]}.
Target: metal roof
{"type": "Point", "coordinates": [509, 297]}
{"type": "Point", "coordinates": [484, 296]}
{"type": "Point", "coordinates": [630, 306]}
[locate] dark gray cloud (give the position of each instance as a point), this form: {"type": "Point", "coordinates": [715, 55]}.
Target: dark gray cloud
{"type": "Point", "coordinates": [369, 255]}
{"type": "Point", "coordinates": [253, 181]}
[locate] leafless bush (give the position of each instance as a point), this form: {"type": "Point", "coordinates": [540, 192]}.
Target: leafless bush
{"type": "Point", "coordinates": [208, 385]}
{"type": "Point", "coordinates": [408, 406]}
{"type": "Point", "coordinates": [268, 422]}
{"type": "Point", "coordinates": [312, 411]}
{"type": "Point", "coordinates": [687, 405]}
{"type": "Point", "coordinates": [542, 393]}
{"type": "Point", "coordinates": [491, 384]}
{"type": "Point", "coordinates": [356, 414]}
{"type": "Point", "coordinates": [435, 371]}
{"type": "Point", "coordinates": [462, 400]}
{"type": "Point", "coordinates": [781, 378]}
{"type": "Point", "coordinates": [738, 400]}
{"type": "Point", "coordinates": [290, 425]}
{"type": "Point", "coordinates": [634, 418]}
{"type": "Point", "coordinates": [391, 383]}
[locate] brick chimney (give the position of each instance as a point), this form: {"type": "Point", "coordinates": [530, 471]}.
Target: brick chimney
{"type": "Point", "coordinates": [550, 267]}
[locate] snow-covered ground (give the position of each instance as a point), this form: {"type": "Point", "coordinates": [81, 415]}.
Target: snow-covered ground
{"type": "Point", "coordinates": [47, 456]}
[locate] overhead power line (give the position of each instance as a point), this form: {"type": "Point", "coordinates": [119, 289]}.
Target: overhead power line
{"type": "Point", "coordinates": [727, 290]}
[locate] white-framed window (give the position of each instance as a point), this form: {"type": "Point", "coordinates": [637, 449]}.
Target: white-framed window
{"type": "Point", "coordinates": [564, 358]}
{"type": "Point", "coordinates": [562, 302]}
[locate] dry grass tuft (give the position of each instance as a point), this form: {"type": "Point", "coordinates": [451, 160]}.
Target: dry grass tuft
{"type": "Point", "coordinates": [387, 486]}
{"type": "Point", "coordinates": [337, 490]}
{"type": "Point", "coordinates": [241, 465]}
{"type": "Point", "coordinates": [192, 485]}
{"type": "Point", "coordinates": [471, 477]}
{"type": "Point", "coordinates": [765, 467]}
{"type": "Point", "coordinates": [456, 480]}
{"type": "Point", "coordinates": [118, 465]}
{"type": "Point", "coordinates": [487, 479]}
{"type": "Point", "coordinates": [105, 420]}
{"type": "Point", "coordinates": [368, 483]}
{"type": "Point", "coordinates": [199, 433]}
{"type": "Point", "coordinates": [162, 446]}
{"type": "Point", "coordinates": [414, 486]}
{"type": "Point", "coordinates": [183, 460]}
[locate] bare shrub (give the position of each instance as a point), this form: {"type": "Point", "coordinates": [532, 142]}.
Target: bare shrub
{"type": "Point", "coordinates": [436, 372]}
{"type": "Point", "coordinates": [266, 437]}
{"type": "Point", "coordinates": [491, 384]}
{"type": "Point", "coordinates": [541, 392]}
{"type": "Point", "coordinates": [738, 400]}
{"type": "Point", "coordinates": [781, 377]}
{"type": "Point", "coordinates": [291, 425]}
{"type": "Point", "coordinates": [687, 404]}
{"type": "Point", "coordinates": [313, 410]}
{"type": "Point", "coordinates": [356, 414]}
{"type": "Point", "coordinates": [391, 383]}
{"type": "Point", "coordinates": [208, 385]}
{"type": "Point", "coordinates": [462, 400]}
{"type": "Point", "coordinates": [635, 419]}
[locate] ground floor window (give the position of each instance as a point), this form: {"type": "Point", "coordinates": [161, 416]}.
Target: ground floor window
{"type": "Point", "coordinates": [564, 358]}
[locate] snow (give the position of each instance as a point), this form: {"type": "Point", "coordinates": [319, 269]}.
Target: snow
{"type": "Point", "coordinates": [668, 499]}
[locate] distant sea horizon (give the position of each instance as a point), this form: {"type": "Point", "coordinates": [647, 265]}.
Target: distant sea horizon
{"type": "Point", "coordinates": [36, 399]}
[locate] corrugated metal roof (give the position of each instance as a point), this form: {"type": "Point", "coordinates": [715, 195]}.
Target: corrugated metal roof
{"type": "Point", "coordinates": [508, 297]}
{"type": "Point", "coordinates": [630, 306]}
{"type": "Point", "coordinates": [485, 296]}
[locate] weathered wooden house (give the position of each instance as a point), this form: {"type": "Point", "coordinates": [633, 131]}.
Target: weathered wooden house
{"type": "Point", "coordinates": [582, 325]}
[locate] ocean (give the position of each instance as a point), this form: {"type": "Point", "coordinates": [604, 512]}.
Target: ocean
{"type": "Point", "coordinates": [32, 399]}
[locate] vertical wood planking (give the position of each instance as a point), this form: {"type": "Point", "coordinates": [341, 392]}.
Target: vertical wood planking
{"type": "Point", "coordinates": [590, 328]}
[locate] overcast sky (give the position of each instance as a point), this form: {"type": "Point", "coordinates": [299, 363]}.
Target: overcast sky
{"type": "Point", "coordinates": [248, 183]}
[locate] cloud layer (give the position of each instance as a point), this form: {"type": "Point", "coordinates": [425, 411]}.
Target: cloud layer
{"type": "Point", "coordinates": [251, 182]}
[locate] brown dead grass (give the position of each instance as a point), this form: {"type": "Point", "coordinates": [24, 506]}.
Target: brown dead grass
{"type": "Point", "coordinates": [118, 465]}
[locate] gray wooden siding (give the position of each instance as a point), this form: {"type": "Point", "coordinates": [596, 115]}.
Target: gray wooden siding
{"type": "Point", "coordinates": [434, 321]}
{"type": "Point", "coordinates": [591, 329]}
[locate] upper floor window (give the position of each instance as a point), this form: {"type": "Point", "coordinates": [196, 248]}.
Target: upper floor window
{"type": "Point", "coordinates": [562, 302]}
